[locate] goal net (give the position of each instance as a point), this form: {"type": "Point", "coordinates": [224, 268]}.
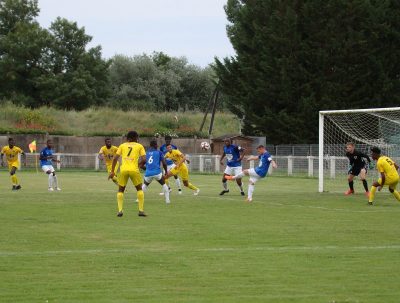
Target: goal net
{"type": "Point", "coordinates": [364, 127]}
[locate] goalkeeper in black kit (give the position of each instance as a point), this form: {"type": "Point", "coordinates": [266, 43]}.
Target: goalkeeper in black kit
{"type": "Point", "coordinates": [359, 164]}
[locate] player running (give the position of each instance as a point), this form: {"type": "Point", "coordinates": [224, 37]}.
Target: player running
{"type": "Point", "coordinates": [11, 151]}
{"type": "Point", "coordinates": [170, 164]}
{"type": "Point", "coordinates": [46, 162]}
{"type": "Point", "coordinates": [179, 167]}
{"type": "Point", "coordinates": [256, 173]}
{"type": "Point", "coordinates": [154, 158]}
{"type": "Point", "coordinates": [107, 153]}
{"type": "Point", "coordinates": [388, 170]}
{"type": "Point", "coordinates": [358, 166]}
{"type": "Point", "coordinates": [132, 154]}
{"type": "Point", "coordinates": [234, 155]}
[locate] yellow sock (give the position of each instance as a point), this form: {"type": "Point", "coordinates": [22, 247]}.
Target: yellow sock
{"type": "Point", "coordinates": [14, 180]}
{"type": "Point", "coordinates": [140, 196]}
{"type": "Point", "coordinates": [120, 200]}
{"type": "Point", "coordinates": [191, 186]}
{"type": "Point", "coordinates": [372, 194]}
{"type": "Point", "coordinates": [396, 194]}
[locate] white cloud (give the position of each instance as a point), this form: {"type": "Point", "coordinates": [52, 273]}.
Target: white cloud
{"type": "Point", "coordinates": [191, 28]}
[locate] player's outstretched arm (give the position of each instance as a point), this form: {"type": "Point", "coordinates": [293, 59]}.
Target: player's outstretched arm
{"type": "Point", "coordinates": [274, 165]}
{"type": "Point", "coordinates": [242, 153]}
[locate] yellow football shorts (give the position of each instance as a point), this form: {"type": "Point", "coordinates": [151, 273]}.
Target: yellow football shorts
{"type": "Point", "coordinates": [13, 164]}
{"type": "Point", "coordinates": [125, 175]}
{"type": "Point", "coordinates": [391, 182]}
{"type": "Point", "coordinates": [182, 171]}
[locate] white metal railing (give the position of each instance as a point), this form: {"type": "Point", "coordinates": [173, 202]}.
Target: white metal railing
{"type": "Point", "coordinates": [287, 165]}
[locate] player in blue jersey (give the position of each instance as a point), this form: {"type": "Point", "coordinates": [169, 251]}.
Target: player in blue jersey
{"type": "Point", "coordinates": [170, 163]}
{"type": "Point", "coordinates": [154, 159]}
{"type": "Point", "coordinates": [234, 155]}
{"type": "Point", "coordinates": [257, 173]}
{"type": "Point", "coordinates": [46, 162]}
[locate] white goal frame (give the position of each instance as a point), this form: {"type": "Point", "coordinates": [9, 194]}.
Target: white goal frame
{"type": "Point", "coordinates": [321, 134]}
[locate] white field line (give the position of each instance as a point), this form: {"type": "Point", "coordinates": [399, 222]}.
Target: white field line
{"type": "Point", "coordinates": [371, 209]}
{"type": "Point", "coordinates": [198, 250]}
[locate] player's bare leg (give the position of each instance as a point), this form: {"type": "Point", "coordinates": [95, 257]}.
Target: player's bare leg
{"type": "Point", "coordinates": [240, 184]}
{"type": "Point", "coordinates": [394, 192]}
{"type": "Point", "coordinates": [191, 186]}
{"type": "Point", "coordinates": [350, 191]}
{"type": "Point", "coordinates": [363, 175]}
{"type": "Point", "coordinates": [224, 185]}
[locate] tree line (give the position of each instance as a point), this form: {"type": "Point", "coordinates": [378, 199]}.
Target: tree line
{"type": "Point", "coordinates": [55, 67]}
{"type": "Point", "coordinates": [294, 58]}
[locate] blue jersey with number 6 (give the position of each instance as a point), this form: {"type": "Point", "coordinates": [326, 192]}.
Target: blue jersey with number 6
{"type": "Point", "coordinates": [263, 165]}
{"type": "Point", "coordinates": [153, 159]}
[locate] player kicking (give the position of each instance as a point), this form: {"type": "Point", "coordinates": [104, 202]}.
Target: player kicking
{"type": "Point", "coordinates": [107, 153]}
{"type": "Point", "coordinates": [388, 170]}
{"type": "Point", "coordinates": [170, 164]}
{"type": "Point", "coordinates": [179, 167]}
{"type": "Point", "coordinates": [154, 158]}
{"type": "Point", "coordinates": [234, 155]}
{"type": "Point", "coordinates": [11, 151]}
{"type": "Point", "coordinates": [132, 154]}
{"type": "Point", "coordinates": [256, 173]}
{"type": "Point", "coordinates": [358, 166]}
{"type": "Point", "coordinates": [46, 162]}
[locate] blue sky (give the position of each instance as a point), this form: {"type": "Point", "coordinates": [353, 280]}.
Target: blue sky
{"type": "Point", "coordinates": [195, 29]}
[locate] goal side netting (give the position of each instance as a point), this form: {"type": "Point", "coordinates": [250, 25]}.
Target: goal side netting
{"type": "Point", "coordinates": [364, 127]}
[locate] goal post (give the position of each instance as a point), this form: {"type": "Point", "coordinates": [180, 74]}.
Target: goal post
{"type": "Point", "coordinates": [364, 127]}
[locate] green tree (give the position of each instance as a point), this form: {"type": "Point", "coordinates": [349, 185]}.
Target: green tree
{"type": "Point", "coordinates": [294, 58]}
{"type": "Point", "coordinates": [23, 45]}
{"type": "Point", "coordinates": [77, 78]}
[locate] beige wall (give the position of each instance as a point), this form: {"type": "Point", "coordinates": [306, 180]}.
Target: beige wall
{"type": "Point", "coordinates": [88, 145]}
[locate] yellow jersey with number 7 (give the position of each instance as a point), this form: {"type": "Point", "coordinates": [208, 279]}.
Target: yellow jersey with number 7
{"type": "Point", "coordinates": [130, 153]}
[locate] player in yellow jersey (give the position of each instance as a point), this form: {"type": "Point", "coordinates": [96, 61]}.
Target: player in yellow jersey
{"type": "Point", "coordinates": [106, 154]}
{"type": "Point", "coordinates": [389, 175]}
{"type": "Point", "coordinates": [180, 167]}
{"type": "Point", "coordinates": [132, 154]}
{"type": "Point", "coordinates": [11, 151]}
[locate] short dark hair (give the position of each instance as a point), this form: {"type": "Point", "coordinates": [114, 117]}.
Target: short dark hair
{"type": "Point", "coordinates": [260, 146]}
{"type": "Point", "coordinates": [153, 143]}
{"type": "Point", "coordinates": [168, 137]}
{"type": "Point", "coordinates": [169, 144]}
{"type": "Point", "coordinates": [376, 150]}
{"type": "Point", "coordinates": [48, 140]}
{"type": "Point", "coordinates": [10, 139]}
{"type": "Point", "coordinates": [132, 135]}
{"type": "Point", "coordinates": [350, 143]}
{"type": "Point", "coordinates": [108, 138]}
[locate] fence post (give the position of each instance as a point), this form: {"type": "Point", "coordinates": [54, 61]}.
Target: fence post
{"type": "Point", "coordinates": [217, 163]}
{"type": "Point", "coordinates": [333, 167]}
{"type": "Point", "coordinates": [290, 165]}
{"type": "Point", "coordinates": [190, 162]}
{"type": "Point", "coordinates": [96, 162]}
{"type": "Point", "coordinates": [310, 166]}
{"type": "Point", "coordinates": [58, 163]}
{"type": "Point", "coordinates": [201, 163]}
{"type": "Point", "coordinates": [19, 161]}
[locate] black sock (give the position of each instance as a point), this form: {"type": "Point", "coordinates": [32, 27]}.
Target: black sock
{"type": "Point", "coordinates": [351, 185]}
{"type": "Point", "coordinates": [365, 185]}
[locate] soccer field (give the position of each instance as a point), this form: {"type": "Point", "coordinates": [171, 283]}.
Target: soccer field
{"type": "Point", "coordinates": [291, 244]}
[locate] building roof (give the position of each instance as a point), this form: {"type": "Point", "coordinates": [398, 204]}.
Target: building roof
{"type": "Point", "coordinates": [232, 137]}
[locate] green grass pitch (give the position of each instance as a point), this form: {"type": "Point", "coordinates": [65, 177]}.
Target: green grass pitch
{"type": "Point", "coordinates": [290, 245]}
